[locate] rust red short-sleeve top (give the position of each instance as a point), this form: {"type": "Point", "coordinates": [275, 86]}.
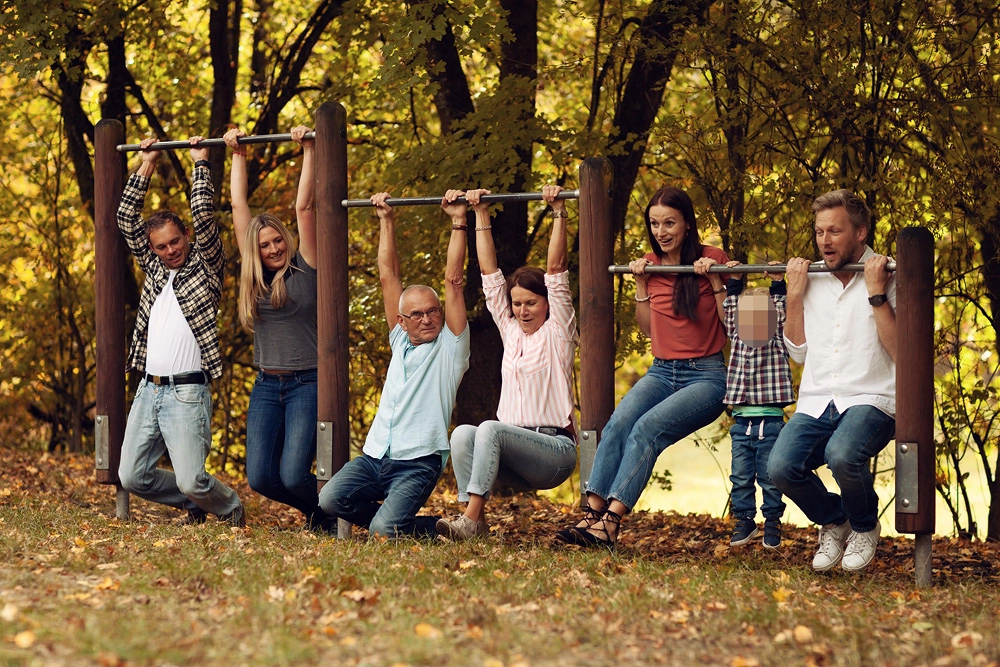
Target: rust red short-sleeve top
{"type": "Point", "coordinates": [677, 337]}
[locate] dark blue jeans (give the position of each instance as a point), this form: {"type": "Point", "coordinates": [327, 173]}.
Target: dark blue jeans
{"type": "Point", "coordinates": [281, 440]}
{"type": "Point", "coordinates": [673, 400]}
{"type": "Point", "coordinates": [384, 495]}
{"type": "Point", "coordinates": [751, 449]}
{"type": "Point", "coordinates": [846, 443]}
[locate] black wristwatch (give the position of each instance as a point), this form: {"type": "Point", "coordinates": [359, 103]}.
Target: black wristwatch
{"type": "Point", "coordinates": [877, 300]}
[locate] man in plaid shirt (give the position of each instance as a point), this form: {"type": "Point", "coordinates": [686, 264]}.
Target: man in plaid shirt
{"type": "Point", "coordinates": [175, 348]}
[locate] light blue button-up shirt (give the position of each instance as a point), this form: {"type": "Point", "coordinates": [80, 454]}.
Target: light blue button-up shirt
{"type": "Point", "coordinates": [418, 396]}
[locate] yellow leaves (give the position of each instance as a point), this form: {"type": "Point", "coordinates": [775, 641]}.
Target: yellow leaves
{"type": "Point", "coordinates": [278, 594]}
{"type": "Point", "coordinates": [24, 639]}
{"type": "Point", "coordinates": [781, 594]}
{"type": "Point", "coordinates": [474, 632]}
{"type": "Point", "coordinates": [721, 551]}
{"type": "Point", "coordinates": [740, 661]}
{"type": "Point", "coordinates": [108, 584]}
{"type": "Point", "coordinates": [500, 574]}
{"type": "Point", "coordinates": [427, 631]}
{"type": "Point", "coordinates": [466, 564]}
{"type": "Point", "coordinates": [802, 635]}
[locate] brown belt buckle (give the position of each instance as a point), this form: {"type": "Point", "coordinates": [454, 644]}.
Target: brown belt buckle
{"type": "Point", "coordinates": [157, 379]}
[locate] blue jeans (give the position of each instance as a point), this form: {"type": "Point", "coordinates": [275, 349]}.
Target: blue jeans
{"type": "Point", "coordinates": [175, 419]}
{"type": "Point", "coordinates": [752, 446]}
{"type": "Point", "coordinates": [281, 440]}
{"type": "Point", "coordinates": [519, 458]}
{"type": "Point", "coordinates": [673, 400]}
{"type": "Point", "coordinates": [384, 495]}
{"type": "Point", "coordinates": [846, 443]}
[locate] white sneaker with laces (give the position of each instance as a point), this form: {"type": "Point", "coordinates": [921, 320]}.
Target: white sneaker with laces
{"type": "Point", "coordinates": [861, 549]}
{"type": "Point", "coordinates": [832, 539]}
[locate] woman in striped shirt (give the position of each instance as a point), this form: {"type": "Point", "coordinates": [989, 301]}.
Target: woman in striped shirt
{"type": "Point", "coordinates": [532, 443]}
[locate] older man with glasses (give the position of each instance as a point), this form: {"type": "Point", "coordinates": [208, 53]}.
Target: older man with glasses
{"type": "Point", "coordinates": [407, 446]}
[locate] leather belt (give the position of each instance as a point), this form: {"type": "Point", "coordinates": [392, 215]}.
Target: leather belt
{"type": "Point", "coordinates": [195, 377]}
{"type": "Point", "coordinates": [552, 430]}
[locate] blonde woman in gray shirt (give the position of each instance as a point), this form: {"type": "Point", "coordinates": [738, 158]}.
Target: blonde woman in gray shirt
{"type": "Point", "coordinates": [278, 304]}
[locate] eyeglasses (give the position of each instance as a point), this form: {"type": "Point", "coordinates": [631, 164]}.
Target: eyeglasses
{"type": "Point", "coordinates": [418, 315]}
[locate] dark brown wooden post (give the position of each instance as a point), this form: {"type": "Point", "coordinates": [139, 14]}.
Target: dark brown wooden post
{"type": "Point", "coordinates": [915, 393]}
{"type": "Point", "coordinates": [597, 308]}
{"type": "Point", "coordinates": [109, 297]}
{"type": "Point", "coordinates": [332, 428]}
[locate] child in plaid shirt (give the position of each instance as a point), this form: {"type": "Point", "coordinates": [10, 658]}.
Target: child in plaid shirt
{"type": "Point", "coordinates": [758, 386]}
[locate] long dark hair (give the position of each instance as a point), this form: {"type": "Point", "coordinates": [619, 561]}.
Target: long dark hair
{"type": "Point", "coordinates": [530, 278]}
{"type": "Point", "coordinates": [686, 285]}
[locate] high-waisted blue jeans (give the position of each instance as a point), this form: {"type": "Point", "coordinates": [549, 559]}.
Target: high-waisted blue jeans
{"type": "Point", "coordinates": [673, 400]}
{"type": "Point", "coordinates": [281, 439]}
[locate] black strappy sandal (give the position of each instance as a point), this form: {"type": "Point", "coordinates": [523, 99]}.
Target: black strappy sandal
{"type": "Point", "coordinates": [576, 534]}
{"type": "Point", "coordinates": [591, 540]}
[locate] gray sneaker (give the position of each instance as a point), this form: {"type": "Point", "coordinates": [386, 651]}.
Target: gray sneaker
{"type": "Point", "coordinates": [832, 539]}
{"type": "Point", "coordinates": [861, 549]}
{"type": "Point", "coordinates": [236, 518]}
{"type": "Point", "coordinates": [462, 528]}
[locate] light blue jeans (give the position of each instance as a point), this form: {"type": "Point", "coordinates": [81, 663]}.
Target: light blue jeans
{"type": "Point", "coordinates": [519, 458]}
{"type": "Point", "coordinates": [174, 419]}
{"type": "Point", "coordinates": [846, 443]}
{"type": "Point", "coordinates": [673, 400]}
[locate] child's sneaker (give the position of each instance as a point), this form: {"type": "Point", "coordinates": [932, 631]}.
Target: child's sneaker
{"type": "Point", "coordinates": [772, 533]}
{"type": "Point", "coordinates": [745, 530]}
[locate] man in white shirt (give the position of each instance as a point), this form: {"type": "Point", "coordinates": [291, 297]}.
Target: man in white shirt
{"type": "Point", "coordinates": [842, 326]}
{"type": "Point", "coordinates": [175, 347]}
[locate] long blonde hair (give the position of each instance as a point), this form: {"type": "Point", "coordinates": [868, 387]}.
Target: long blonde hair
{"type": "Point", "coordinates": [253, 285]}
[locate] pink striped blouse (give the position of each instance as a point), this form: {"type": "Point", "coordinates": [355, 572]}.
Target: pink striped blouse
{"type": "Point", "coordinates": [537, 384]}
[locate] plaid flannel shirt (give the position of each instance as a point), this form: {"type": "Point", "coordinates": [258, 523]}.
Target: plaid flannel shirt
{"type": "Point", "coordinates": [198, 284]}
{"type": "Point", "coordinates": [757, 375]}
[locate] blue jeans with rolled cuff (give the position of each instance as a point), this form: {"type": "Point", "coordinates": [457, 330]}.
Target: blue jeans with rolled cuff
{"type": "Point", "coordinates": [520, 458]}
{"type": "Point", "coordinates": [673, 400]}
{"type": "Point", "coordinates": [753, 439]}
{"type": "Point", "coordinates": [177, 419]}
{"type": "Point", "coordinates": [384, 495]}
{"type": "Point", "coordinates": [846, 443]}
{"type": "Point", "coordinates": [281, 440]}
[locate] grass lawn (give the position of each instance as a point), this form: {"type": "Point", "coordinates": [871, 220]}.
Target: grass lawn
{"type": "Point", "coordinates": [79, 587]}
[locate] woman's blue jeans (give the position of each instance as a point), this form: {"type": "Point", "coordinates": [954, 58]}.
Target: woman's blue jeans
{"type": "Point", "coordinates": [673, 400]}
{"type": "Point", "coordinates": [846, 443]}
{"type": "Point", "coordinates": [281, 440]}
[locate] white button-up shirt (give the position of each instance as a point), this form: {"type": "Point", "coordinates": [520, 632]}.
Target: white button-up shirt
{"type": "Point", "coordinates": [844, 359]}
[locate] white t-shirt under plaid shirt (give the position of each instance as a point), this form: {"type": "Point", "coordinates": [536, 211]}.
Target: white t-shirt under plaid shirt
{"type": "Point", "coordinates": [537, 384]}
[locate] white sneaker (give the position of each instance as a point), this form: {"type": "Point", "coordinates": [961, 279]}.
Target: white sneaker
{"type": "Point", "coordinates": [832, 539]}
{"type": "Point", "coordinates": [861, 549]}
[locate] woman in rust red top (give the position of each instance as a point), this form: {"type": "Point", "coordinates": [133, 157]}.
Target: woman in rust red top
{"type": "Point", "coordinates": [531, 444]}
{"type": "Point", "coordinates": [684, 388]}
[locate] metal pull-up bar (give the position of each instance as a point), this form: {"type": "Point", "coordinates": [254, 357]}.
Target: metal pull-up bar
{"type": "Point", "coordinates": [486, 199]}
{"type": "Point", "coordinates": [218, 141]}
{"type": "Point", "coordinates": [818, 267]}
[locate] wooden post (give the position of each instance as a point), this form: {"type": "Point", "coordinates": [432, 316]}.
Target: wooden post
{"type": "Point", "coordinates": [915, 393]}
{"type": "Point", "coordinates": [332, 428]}
{"type": "Point", "coordinates": [597, 308]}
{"type": "Point", "coordinates": [109, 297]}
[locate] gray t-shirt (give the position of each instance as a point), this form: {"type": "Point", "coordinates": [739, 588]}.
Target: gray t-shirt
{"type": "Point", "coordinates": [285, 339]}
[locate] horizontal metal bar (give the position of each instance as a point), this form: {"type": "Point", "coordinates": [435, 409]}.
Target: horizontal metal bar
{"type": "Point", "coordinates": [818, 267]}
{"type": "Point", "coordinates": [435, 201]}
{"type": "Point", "coordinates": [218, 141]}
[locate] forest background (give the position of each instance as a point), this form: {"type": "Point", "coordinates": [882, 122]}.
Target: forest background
{"type": "Point", "coordinates": [753, 107]}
